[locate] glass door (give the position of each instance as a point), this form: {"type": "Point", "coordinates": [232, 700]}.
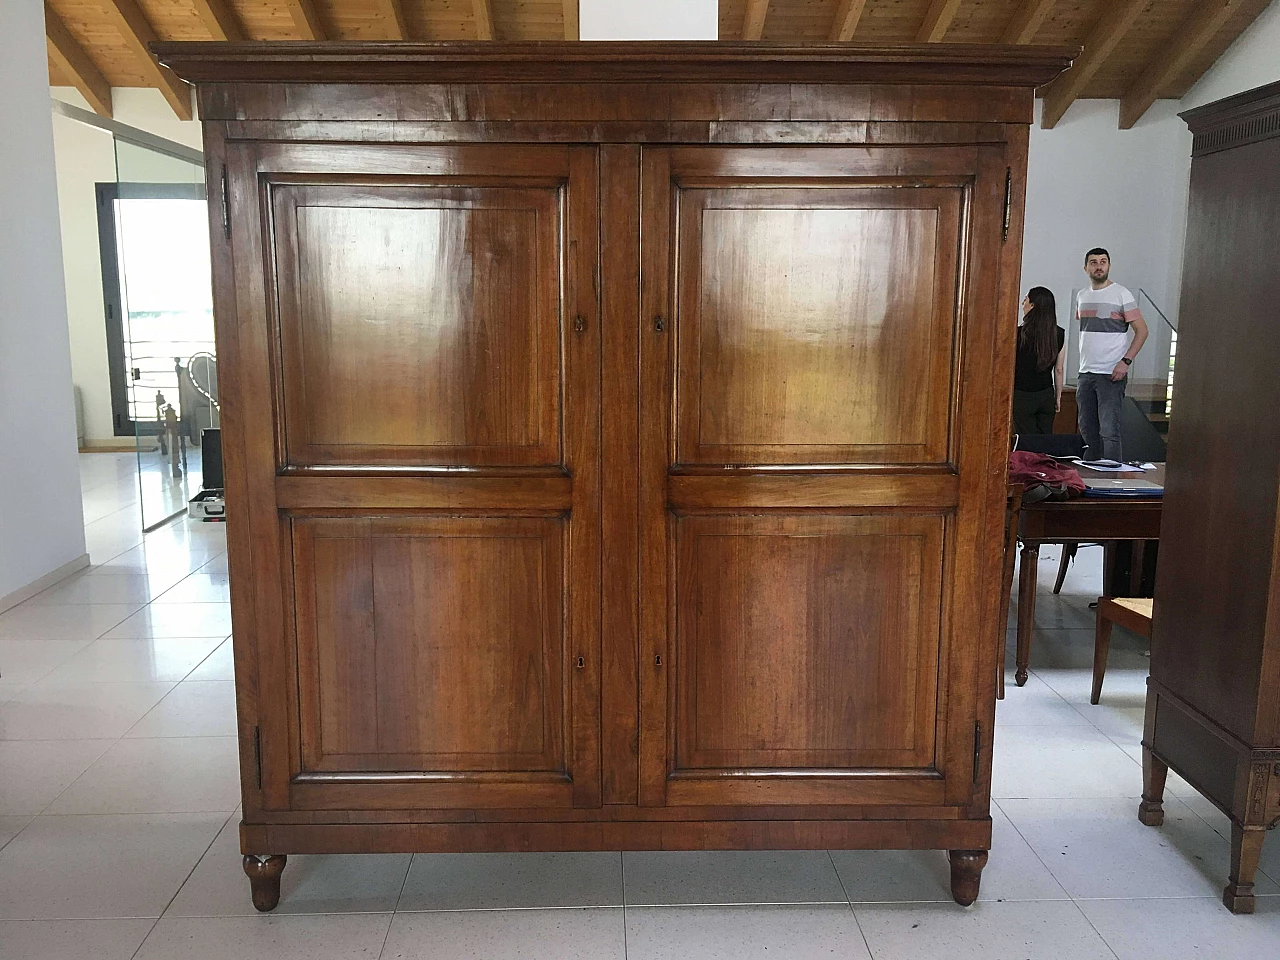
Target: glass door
{"type": "Point", "coordinates": [156, 278]}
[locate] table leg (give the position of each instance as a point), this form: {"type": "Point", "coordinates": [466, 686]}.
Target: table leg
{"type": "Point", "coordinates": [1026, 607]}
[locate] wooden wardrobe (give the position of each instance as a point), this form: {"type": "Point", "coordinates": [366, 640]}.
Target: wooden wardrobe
{"type": "Point", "coordinates": [615, 439]}
{"type": "Point", "coordinates": [1213, 701]}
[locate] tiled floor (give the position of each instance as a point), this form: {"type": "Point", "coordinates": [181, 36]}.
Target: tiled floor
{"type": "Point", "coordinates": [118, 800]}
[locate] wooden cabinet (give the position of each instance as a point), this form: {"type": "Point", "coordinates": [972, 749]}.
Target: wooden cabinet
{"type": "Point", "coordinates": [615, 438]}
{"type": "Point", "coordinates": [1213, 701]}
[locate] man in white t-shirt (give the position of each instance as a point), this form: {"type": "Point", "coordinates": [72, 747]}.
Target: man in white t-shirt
{"type": "Point", "coordinates": [1105, 312]}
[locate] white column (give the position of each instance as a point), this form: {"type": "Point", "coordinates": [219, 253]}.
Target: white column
{"type": "Point", "coordinates": [648, 19]}
{"type": "Point", "coordinates": [41, 517]}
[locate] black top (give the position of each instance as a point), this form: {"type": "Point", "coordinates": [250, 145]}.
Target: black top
{"type": "Point", "coordinates": [1026, 377]}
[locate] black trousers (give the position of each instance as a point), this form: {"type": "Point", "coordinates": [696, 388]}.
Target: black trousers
{"type": "Point", "coordinates": [1033, 412]}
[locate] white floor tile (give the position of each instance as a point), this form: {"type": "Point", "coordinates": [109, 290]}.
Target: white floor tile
{"type": "Point", "coordinates": [192, 709]}
{"type": "Point", "coordinates": [118, 661]}
{"type": "Point", "coordinates": [23, 662]}
{"type": "Point", "coordinates": [66, 868]}
{"type": "Point", "coordinates": [1060, 761]}
{"type": "Point", "coordinates": [89, 588]}
{"type": "Point", "coordinates": [10, 827]}
{"type": "Point", "coordinates": [216, 566]}
{"type": "Point", "coordinates": [104, 543]}
{"type": "Point", "coordinates": [1098, 849]}
{"type": "Point", "coordinates": [88, 621]}
{"type": "Point", "coordinates": [1205, 810]}
{"type": "Point", "coordinates": [219, 665]}
{"type": "Point", "coordinates": [347, 883]}
{"type": "Point", "coordinates": [34, 772]}
{"type": "Point", "coordinates": [1185, 929]}
{"type": "Point", "coordinates": [63, 939]}
{"type": "Point", "coordinates": [352, 937]}
{"type": "Point", "coordinates": [583, 934]}
{"type": "Point", "coordinates": [491, 881]}
{"type": "Point", "coordinates": [1035, 704]}
{"type": "Point", "coordinates": [1045, 930]}
{"type": "Point", "coordinates": [1122, 725]}
{"type": "Point", "coordinates": [198, 588]}
{"type": "Point", "coordinates": [1123, 687]}
{"type": "Point", "coordinates": [1013, 872]}
{"type": "Point", "coordinates": [793, 932]}
{"type": "Point", "coordinates": [177, 620]}
{"type": "Point", "coordinates": [165, 775]}
{"type": "Point", "coordinates": [666, 877]}
{"type": "Point", "coordinates": [156, 561]}
{"type": "Point", "coordinates": [63, 711]}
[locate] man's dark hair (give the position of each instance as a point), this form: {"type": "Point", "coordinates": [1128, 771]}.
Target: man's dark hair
{"type": "Point", "coordinates": [1095, 252]}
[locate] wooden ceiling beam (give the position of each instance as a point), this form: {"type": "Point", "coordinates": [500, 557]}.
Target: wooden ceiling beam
{"type": "Point", "coordinates": [753, 22]}
{"type": "Point", "coordinates": [1026, 20]}
{"type": "Point", "coordinates": [1192, 36]}
{"type": "Point", "coordinates": [571, 19]}
{"type": "Point", "coordinates": [75, 64]}
{"type": "Point", "coordinates": [137, 33]}
{"type": "Point", "coordinates": [393, 17]}
{"type": "Point", "coordinates": [305, 19]}
{"type": "Point", "coordinates": [484, 19]}
{"type": "Point", "coordinates": [847, 17]}
{"type": "Point", "coordinates": [1098, 46]}
{"type": "Point", "coordinates": [220, 19]}
{"type": "Point", "coordinates": [938, 20]}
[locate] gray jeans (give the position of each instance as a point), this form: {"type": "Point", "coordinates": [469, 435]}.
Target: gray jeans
{"type": "Point", "coordinates": [1098, 400]}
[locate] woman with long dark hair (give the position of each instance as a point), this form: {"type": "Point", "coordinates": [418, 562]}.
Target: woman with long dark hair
{"type": "Point", "coordinates": [1042, 357]}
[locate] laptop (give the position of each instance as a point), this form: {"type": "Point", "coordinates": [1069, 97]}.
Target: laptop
{"type": "Point", "coordinates": [1121, 487]}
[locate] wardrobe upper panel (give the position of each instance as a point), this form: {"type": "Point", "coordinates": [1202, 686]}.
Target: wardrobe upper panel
{"type": "Point", "coordinates": [419, 318]}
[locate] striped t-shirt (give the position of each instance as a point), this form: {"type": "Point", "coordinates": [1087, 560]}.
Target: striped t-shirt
{"type": "Point", "coordinates": [1104, 317]}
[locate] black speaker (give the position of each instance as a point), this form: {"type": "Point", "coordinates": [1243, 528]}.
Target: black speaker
{"type": "Point", "coordinates": [211, 457]}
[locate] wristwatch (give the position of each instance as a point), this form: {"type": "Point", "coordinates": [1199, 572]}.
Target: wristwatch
{"type": "Point", "coordinates": [1127, 361]}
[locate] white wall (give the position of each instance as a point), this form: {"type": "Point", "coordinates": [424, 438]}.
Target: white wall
{"type": "Point", "coordinates": [1090, 184]}
{"type": "Point", "coordinates": [86, 156]}
{"type": "Point", "coordinates": [648, 19]}
{"type": "Point", "coordinates": [41, 519]}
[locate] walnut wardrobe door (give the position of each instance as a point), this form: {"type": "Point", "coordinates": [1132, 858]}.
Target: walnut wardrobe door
{"type": "Point", "coordinates": [422, 359]}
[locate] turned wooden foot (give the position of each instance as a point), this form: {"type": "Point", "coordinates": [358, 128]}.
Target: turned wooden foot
{"type": "Point", "coordinates": [264, 879]}
{"type": "Point", "coordinates": [1246, 849]}
{"type": "Point", "coordinates": [966, 874]}
{"type": "Point", "coordinates": [1154, 772]}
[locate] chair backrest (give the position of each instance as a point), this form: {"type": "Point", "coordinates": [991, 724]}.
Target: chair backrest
{"type": "Point", "coordinates": [1053, 444]}
{"type": "Point", "coordinates": [1138, 435]}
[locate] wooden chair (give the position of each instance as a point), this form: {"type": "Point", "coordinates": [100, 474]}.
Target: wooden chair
{"type": "Point", "coordinates": [1132, 613]}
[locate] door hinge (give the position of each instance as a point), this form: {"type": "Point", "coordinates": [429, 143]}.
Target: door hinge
{"type": "Point", "coordinates": [227, 209]}
{"type": "Point", "coordinates": [1008, 200]}
{"type": "Point", "coordinates": [257, 756]}
{"type": "Point", "coordinates": [977, 749]}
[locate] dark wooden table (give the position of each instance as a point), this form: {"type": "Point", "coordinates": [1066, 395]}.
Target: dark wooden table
{"type": "Point", "coordinates": [1087, 519]}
